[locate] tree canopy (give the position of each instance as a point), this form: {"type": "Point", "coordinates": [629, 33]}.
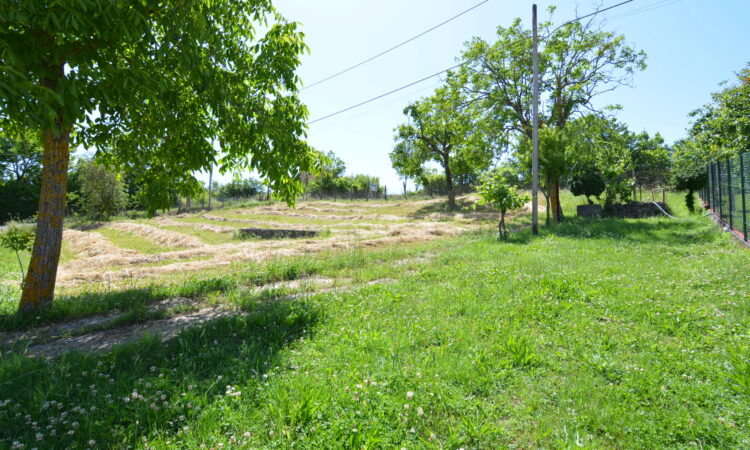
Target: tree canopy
{"type": "Point", "coordinates": [160, 88]}
{"type": "Point", "coordinates": [441, 129]}
{"type": "Point", "coordinates": [577, 62]}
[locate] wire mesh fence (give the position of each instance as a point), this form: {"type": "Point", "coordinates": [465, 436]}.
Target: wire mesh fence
{"type": "Point", "coordinates": [727, 194]}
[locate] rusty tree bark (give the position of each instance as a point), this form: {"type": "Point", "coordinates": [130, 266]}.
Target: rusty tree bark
{"type": "Point", "coordinates": [39, 284]}
{"type": "Point", "coordinates": [554, 200]}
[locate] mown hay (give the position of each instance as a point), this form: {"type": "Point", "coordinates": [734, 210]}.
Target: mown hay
{"type": "Point", "coordinates": [165, 238]}
{"type": "Point", "coordinates": [90, 244]}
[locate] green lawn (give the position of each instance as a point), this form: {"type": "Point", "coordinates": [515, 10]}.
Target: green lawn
{"type": "Point", "coordinates": [601, 334]}
{"type": "Point", "coordinates": [128, 240]}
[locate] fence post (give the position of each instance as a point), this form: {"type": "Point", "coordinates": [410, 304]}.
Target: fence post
{"type": "Point", "coordinates": [708, 198]}
{"type": "Point", "coordinates": [744, 206]}
{"type": "Point", "coordinates": [731, 194]}
{"type": "Point", "coordinates": [711, 185]}
{"type": "Point", "coordinates": [721, 200]}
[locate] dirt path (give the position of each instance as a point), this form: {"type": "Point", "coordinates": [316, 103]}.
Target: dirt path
{"type": "Point", "coordinates": [54, 340]}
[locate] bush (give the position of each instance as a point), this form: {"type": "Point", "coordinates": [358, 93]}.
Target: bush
{"type": "Point", "coordinates": [102, 192]}
{"type": "Point", "coordinates": [588, 183]}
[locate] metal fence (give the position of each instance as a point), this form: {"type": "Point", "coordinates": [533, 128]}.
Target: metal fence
{"type": "Point", "coordinates": [728, 192]}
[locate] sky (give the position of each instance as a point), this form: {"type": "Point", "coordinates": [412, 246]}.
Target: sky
{"type": "Point", "coordinates": [692, 46]}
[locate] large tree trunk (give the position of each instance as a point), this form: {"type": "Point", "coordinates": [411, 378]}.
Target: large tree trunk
{"type": "Point", "coordinates": [39, 286]}
{"type": "Point", "coordinates": [555, 199]}
{"type": "Point", "coordinates": [449, 183]}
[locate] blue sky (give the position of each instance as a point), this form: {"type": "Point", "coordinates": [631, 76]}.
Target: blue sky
{"type": "Point", "coordinates": [692, 46]}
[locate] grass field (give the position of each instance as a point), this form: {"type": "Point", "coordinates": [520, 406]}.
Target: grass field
{"type": "Point", "coordinates": [599, 334]}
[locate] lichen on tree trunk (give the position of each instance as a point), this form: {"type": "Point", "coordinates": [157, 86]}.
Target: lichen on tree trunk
{"type": "Point", "coordinates": [39, 286]}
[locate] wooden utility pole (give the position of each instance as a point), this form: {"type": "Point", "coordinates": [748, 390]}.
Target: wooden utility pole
{"type": "Point", "coordinates": [535, 129]}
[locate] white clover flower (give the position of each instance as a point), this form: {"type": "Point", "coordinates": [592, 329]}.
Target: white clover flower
{"type": "Point", "coordinates": [420, 411]}
{"type": "Point", "coordinates": [92, 443]}
{"type": "Point", "coordinates": [409, 395]}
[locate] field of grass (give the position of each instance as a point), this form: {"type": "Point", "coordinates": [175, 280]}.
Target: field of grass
{"type": "Point", "coordinates": [600, 334]}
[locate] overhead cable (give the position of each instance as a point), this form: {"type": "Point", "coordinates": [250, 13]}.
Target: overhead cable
{"type": "Point", "coordinates": [372, 58]}
{"type": "Point", "coordinates": [421, 80]}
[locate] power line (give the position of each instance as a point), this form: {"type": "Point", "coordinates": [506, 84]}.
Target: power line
{"type": "Point", "coordinates": [395, 46]}
{"type": "Point", "coordinates": [456, 66]}
{"type": "Point", "coordinates": [644, 9]}
{"type": "Point", "coordinates": [598, 11]}
{"type": "Point", "coordinates": [386, 94]}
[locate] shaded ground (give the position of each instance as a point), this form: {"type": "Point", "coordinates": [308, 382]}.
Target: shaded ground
{"type": "Point", "coordinates": [162, 320]}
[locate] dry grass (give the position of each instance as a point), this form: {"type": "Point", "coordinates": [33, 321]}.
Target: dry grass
{"type": "Point", "coordinates": [164, 221]}
{"type": "Point", "coordinates": [100, 261]}
{"type": "Point", "coordinates": [159, 236]}
{"type": "Point", "coordinates": [91, 244]}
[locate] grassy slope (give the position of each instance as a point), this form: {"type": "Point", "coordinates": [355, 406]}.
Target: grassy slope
{"type": "Point", "coordinates": [605, 334]}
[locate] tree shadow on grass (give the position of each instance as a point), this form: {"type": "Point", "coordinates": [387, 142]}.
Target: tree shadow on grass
{"type": "Point", "coordinates": [672, 232]}
{"type": "Point", "coordinates": [85, 304]}
{"type": "Point", "coordinates": [148, 388]}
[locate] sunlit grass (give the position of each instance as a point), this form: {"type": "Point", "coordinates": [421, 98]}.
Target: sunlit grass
{"type": "Point", "coordinates": [597, 334]}
{"type": "Point", "coordinates": [128, 240]}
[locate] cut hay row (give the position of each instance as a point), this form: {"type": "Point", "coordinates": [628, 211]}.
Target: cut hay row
{"type": "Point", "coordinates": [161, 237]}
{"type": "Point", "coordinates": [91, 244]}
{"type": "Point", "coordinates": [339, 217]}
{"type": "Point", "coordinates": [253, 222]}
{"type": "Point", "coordinates": [73, 274]}
{"type": "Point", "coordinates": [163, 221]}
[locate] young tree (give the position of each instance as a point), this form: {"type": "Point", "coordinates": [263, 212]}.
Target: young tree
{"type": "Point", "coordinates": [17, 238]}
{"type": "Point", "coordinates": [102, 191]}
{"type": "Point", "coordinates": [439, 130]}
{"type": "Point", "coordinates": [577, 62]}
{"type": "Point", "coordinates": [495, 190]}
{"type": "Point", "coordinates": [406, 162]}
{"type": "Point", "coordinates": [162, 86]}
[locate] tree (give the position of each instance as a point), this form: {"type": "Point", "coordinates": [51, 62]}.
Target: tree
{"type": "Point", "coordinates": [160, 87]}
{"type": "Point", "coordinates": [20, 175]}
{"type": "Point", "coordinates": [406, 162]}
{"type": "Point", "coordinates": [238, 188]}
{"type": "Point", "coordinates": [689, 162]}
{"type": "Point", "coordinates": [578, 61]}
{"type": "Point", "coordinates": [556, 152]}
{"type": "Point", "coordinates": [651, 161]}
{"type": "Point", "coordinates": [440, 130]}
{"type": "Point", "coordinates": [722, 128]}
{"type": "Point", "coordinates": [17, 238]}
{"type": "Point", "coordinates": [587, 183]}
{"type": "Point", "coordinates": [102, 191]}
{"type": "Point", "coordinates": [494, 190]}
